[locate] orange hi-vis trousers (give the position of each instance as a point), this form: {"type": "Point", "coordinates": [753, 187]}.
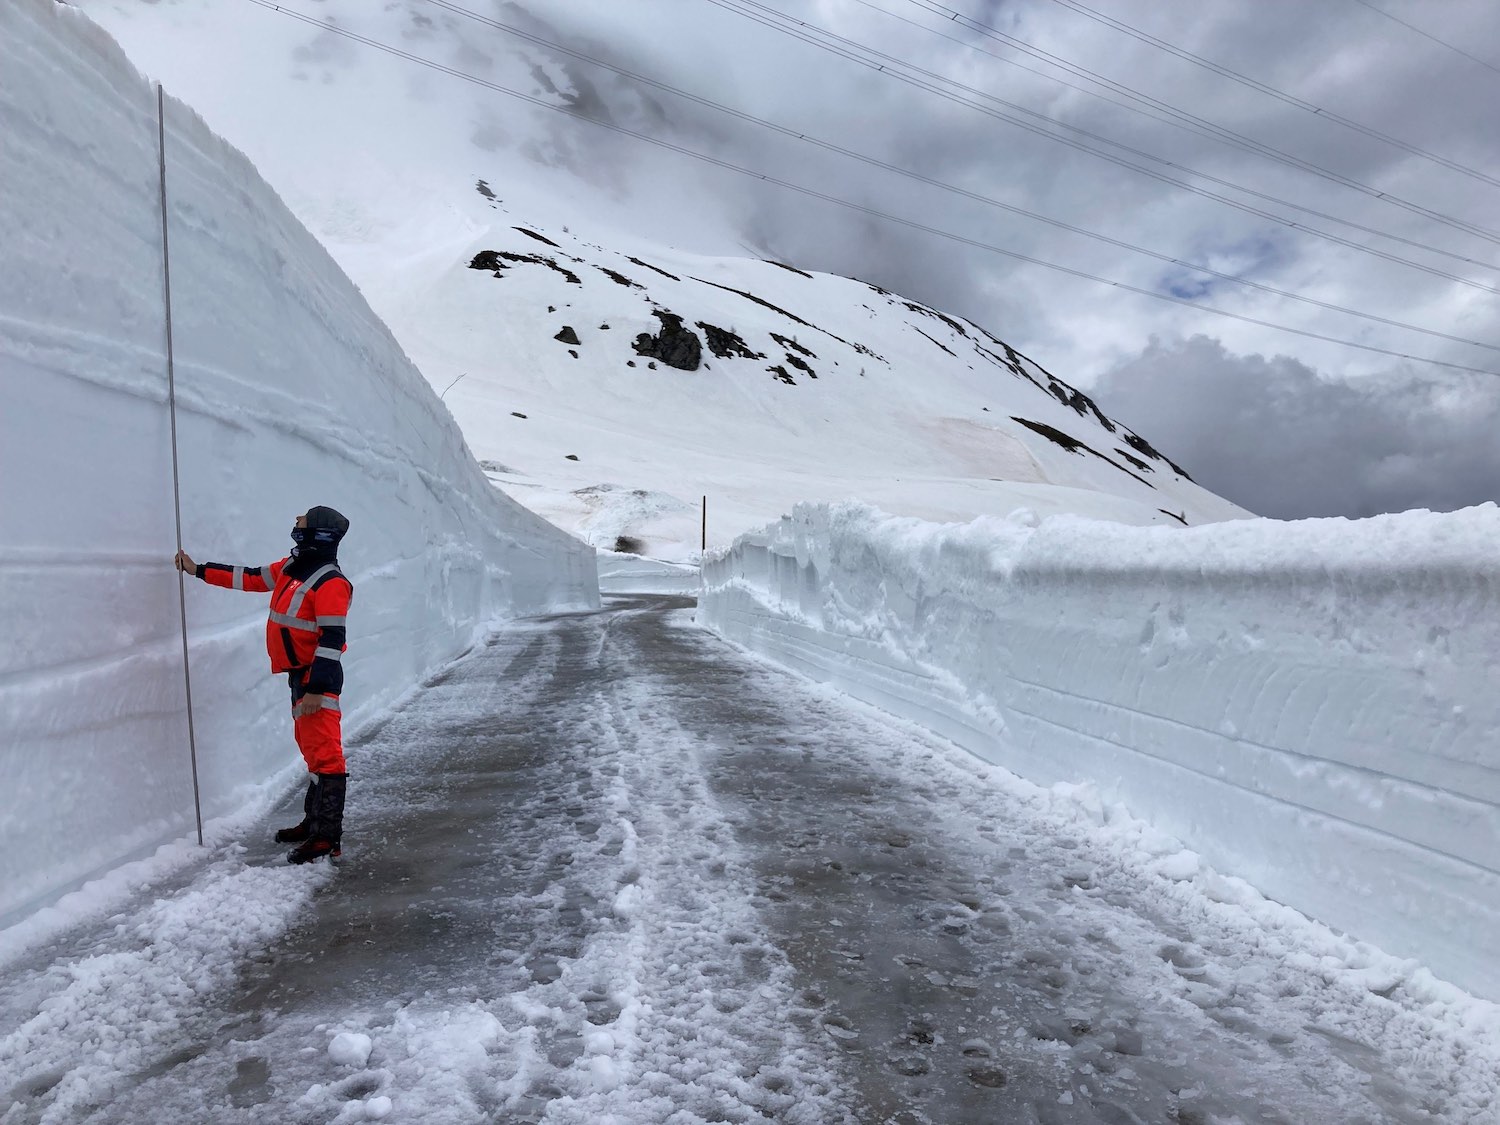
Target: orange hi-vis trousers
{"type": "Point", "coordinates": [320, 736]}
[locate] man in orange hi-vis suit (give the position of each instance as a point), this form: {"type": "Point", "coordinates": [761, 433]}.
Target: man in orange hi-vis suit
{"type": "Point", "coordinates": [305, 639]}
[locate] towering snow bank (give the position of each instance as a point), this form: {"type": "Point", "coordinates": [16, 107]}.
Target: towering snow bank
{"type": "Point", "coordinates": [1312, 706]}
{"type": "Point", "coordinates": [291, 393]}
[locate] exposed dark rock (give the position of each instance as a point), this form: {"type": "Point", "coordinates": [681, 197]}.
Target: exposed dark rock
{"type": "Point", "coordinates": [538, 237]}
{"type": "Point", "coordinates": [791, 345]}
{"type": "Point", "coordinates": [928, 338]}
{"type": "Point", "coordinates": [572, 353]}
{"type": "Point", "coordinates": [674, 345]}
{"type": "Point", "coordinates": [628, 545]}
{"type": "Point", "coordinates": [484, 189]}
{"type": "Point", "coordinates": [603, 328]}
{"type": "Point", "coordinates": [1073, 445]}
{"type": "Point", "coordinates": [1182, 519]}
{"type": "Point", "coordinates": [571, 457]}
{"type": "Point", "coordinates": [619, 278]}
{"type": "Point", "coordinates": [1141, 445]}
{"type": "Point", "coordinates": [1055, 436]}
{"type": "Point", "coordinates": [630, 363]}
{"type": "Point", "coordinates": [567, 335]}
{"type": "Point", "coordinates": [762, 302]}
{"type": "Point", "coordinates": [925, 311]}
{"type": "Point", "coordinates": [516, 414]}
{"type": "Point", "coordinates": [495, 260]}
{"type": "Point", "coordinates": [1009, 360]}
{"type": "Point", "coordinates": [726, 344]}
{"type": "Point", "coordinates": [784, 266]}
{"type": "Point", "coordinates": [1078, 401]}
{"type": "Point", "coordinates": [1136, 461]}
{"type": "Point", "coordinates": [790, 316]}
{"type": "Point", "coordinates": [801, 365]}
{"type": "Point", "coordinates": [658, 269]}
{"type": "Point", "coordinates": [782, 374]}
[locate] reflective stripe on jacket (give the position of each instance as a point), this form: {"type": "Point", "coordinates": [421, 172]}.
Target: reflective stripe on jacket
{"type": "Point", "coordinates": [306, 626]}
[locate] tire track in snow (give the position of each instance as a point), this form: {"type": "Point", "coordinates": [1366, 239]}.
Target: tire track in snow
{"type": "Point", "coordinates": [979, 951]}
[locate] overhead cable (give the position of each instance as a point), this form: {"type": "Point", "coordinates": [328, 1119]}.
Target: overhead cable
{"type": "Point", "coordinates": [1426, 35]}
{"type": "Point", "coordinates": [845, 203]}
{"type": "Point", "coordinates": [1270, 91]}
{"type": "Point", "coordinates": [1176, 117]}
{"type": "Point", "coordinates": [894, 67]}
{"type": "Point", "coordinates": [1034, 216]}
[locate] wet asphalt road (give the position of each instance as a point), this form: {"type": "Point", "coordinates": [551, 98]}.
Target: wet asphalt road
{"type": "Point", "coordinates": [907, 944]}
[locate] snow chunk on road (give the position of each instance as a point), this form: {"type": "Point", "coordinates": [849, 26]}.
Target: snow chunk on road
{"type": "Point", "coordinates": [1179, 868]}
{"type": "Point", "coordinates": [350, 1048]}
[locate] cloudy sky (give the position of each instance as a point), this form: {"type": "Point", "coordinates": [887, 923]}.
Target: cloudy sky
{"type": "Point", "coordinates": [1352, 164]}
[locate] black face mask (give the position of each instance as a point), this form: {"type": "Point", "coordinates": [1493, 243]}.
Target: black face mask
{"type": "Point", "coordinates": [316, 538]}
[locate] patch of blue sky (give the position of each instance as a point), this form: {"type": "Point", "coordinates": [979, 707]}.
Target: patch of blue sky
{"type": "Point", "coordinates": [1255, 254]}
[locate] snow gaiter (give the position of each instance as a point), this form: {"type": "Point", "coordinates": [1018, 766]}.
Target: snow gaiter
{"type": "Point", "coordinates": [327, 812]}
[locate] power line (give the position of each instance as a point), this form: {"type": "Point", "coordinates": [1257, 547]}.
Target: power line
{"type": "Point", "coordinates": [829, 146]}
{"type": "Point", "coordinates": [844, 47]}
{"type": "Point", "coordinates": [1426, 35]}
{"type": "Point", "coordinates": [1177, 118]}
{"type": "Point", "coordinates": [848, 204]}
{"type": "Point", "coordinates": [1270, 91]}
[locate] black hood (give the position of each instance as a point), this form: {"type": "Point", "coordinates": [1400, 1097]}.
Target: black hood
{"type": "Point", "coordinates": [318, 542]}
{"type": "Point", "coordinates": [327, 524]}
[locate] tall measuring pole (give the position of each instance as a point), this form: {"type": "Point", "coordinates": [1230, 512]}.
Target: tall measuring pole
{"type": "Point", "coordinates": [166, 272]}
{"type": "Point", "coordinates": [705, 524]}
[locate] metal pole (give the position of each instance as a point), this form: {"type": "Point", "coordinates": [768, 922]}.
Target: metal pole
{"type": "Point", "coordinates": [705, 523]}
{"type": "Point", "coordinates": [166, 270]}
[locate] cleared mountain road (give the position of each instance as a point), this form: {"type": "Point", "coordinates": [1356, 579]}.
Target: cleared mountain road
{"type": "Point", "coordinates": [608, 868]}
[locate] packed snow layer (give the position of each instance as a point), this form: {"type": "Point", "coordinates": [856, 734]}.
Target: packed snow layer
{"type": "Point", "coordinates": [1312, 706]}
{"type": "Point", "coordinates": [632, 574]}
{"type": "Point", "coordinates": [290, 392]}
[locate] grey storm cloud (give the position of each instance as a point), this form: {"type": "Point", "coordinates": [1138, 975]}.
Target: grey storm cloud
{"type": "Point", "coordinates": [1275, 437]}
{"type": "Point", "coordinates": [1321, 429]}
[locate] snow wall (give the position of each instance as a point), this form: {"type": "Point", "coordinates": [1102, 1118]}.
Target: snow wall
{"type": "Point", "coordinates": [1312, 706]}
{"type": "Point", "coordinates": [290, 393]}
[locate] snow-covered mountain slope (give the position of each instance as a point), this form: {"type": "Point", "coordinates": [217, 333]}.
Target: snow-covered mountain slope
{"type": "Point", "coordinates": [290, 393]}
{"type": "Point", "coordinates": [489, 236]}
{"type": "Point", "coordinates": [669, 376]}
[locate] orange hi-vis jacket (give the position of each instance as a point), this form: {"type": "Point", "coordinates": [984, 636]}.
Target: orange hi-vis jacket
{"type": "Point", "coordinates": [306, 628]}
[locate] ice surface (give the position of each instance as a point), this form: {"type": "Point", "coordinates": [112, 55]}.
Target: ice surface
{"type": "Point", "coordinates": [290, 393]}
{"type": "Point", "coordinates": [1311, 706]}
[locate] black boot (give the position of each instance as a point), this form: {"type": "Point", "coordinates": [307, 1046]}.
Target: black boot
{"type": "Point", "coordinates": [326, 823]}
{"type": "Point", "coordinates": [300, 832]}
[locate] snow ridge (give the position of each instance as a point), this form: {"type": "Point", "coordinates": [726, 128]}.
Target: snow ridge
{"type": "Point", "coordinates": [1310, 706]}
{"type": "Point", "coordinates": [291, 393]}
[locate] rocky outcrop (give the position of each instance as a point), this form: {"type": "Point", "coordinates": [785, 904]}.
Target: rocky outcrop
{"type": "Point", "coordinates": [675, 345]}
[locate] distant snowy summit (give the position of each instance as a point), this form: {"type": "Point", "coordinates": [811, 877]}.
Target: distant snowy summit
{"type": "Point", "coordinates": [612, 390]}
